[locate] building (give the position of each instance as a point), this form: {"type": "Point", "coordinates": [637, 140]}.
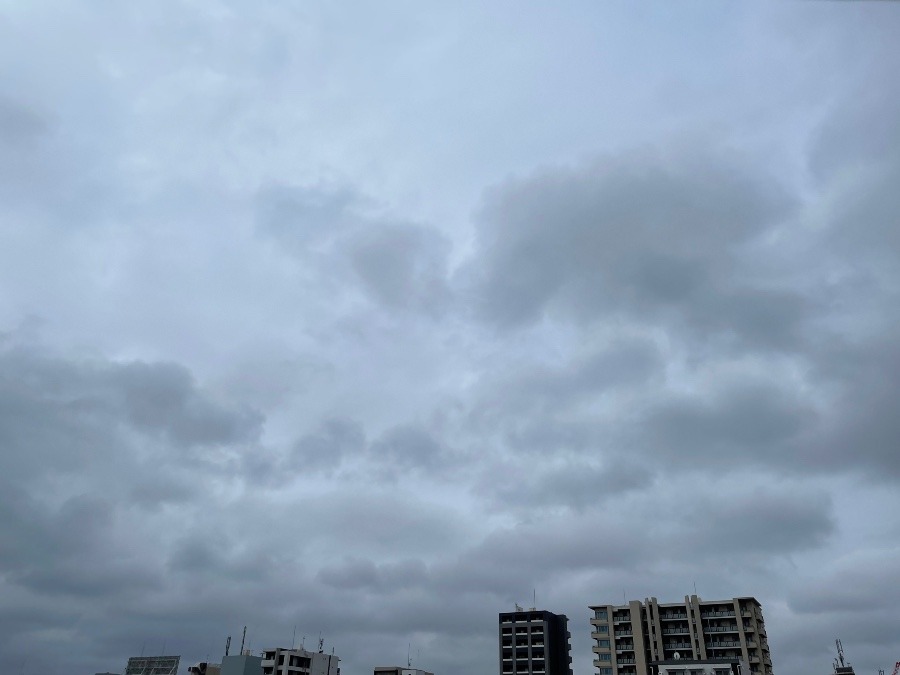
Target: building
{"type": "Point", "coordinates": [399, 670]}
{"type": "Point", "coordinates": [205, 668]}
{"type": "Point", "coordinates": [153, 665]}
{"type": "Point", "coordinates": [629, 638]}
{"type": "Point", "coordinates": [681, 666]}
{"type": "Point", "coordinates": [299, 662]}
{"type": "Point", "coordinates": [534, 642]}
{"type": "Point", "coordinates": [241, 664]}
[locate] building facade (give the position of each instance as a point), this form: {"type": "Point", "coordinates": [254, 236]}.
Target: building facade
{"type": "Point", "coordinates": [153, 665]}
{"type": "Point", "coordinates": [696, 667]}
{"type": "Point", "coordinates": [534, 642]}
{"type": "Point", "coordinates": [629, 638]}
{"type": "Point", "coordinates": [299, 662]}
{"type": "Point", "coordinates": [241, 664]}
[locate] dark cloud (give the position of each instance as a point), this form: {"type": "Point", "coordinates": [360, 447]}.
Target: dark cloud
{"type": "Point", "coordinates": [660, 237]}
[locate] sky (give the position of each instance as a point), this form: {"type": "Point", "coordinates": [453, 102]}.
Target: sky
{"type": "Point", "coordinates": [370, 320]}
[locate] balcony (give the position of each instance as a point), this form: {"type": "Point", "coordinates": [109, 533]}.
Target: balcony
{"type": "Point", "coordinates": [674, 615]}
{"type": "Point", "coordinates": [707, 615]}
{"type": "Point", "coordinates": [621, 618]}
{"type": "Point", "coordinates": [623, 633]}
{"type": "Point", "coordinates": [723, 645]}
{"type": "Point", "coordinates": [720, 629]}
{"type": "Point", "coordinates": [624, 661]}
{"type": "Point", "coordinates": [678, 630]}
{"type": "Point", "coordinates": [677, 645]}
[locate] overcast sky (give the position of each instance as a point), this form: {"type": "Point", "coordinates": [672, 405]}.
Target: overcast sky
{"type": "Point", "coordinates": [374, 318]}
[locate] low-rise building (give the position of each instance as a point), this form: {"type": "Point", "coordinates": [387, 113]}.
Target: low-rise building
{"type": "Point", "coordinates": [299, 662]}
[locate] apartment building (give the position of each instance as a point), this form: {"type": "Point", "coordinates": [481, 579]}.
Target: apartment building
{"type": "Point", "coordinates": [629, 638]}
{"type": "Point", "coordinates": [534, 642]}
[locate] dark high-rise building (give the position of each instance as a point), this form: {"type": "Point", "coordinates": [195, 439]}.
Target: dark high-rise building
{"type": "Point", "coordinates": [534, 642]}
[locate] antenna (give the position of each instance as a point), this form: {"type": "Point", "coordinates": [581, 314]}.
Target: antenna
{"type": "Point", "coordinates": [840, 651]}
{"type": "Point", "coordinates": [408, 662]}
{"type": "Point", "coordinates": [294, 637]}
{"type": "Point", "coordinates": [243, 637]}
{"type": "Point", "coordinates": [303, 643]}
{"type": "Point", "coordinates": [227, 645]}
{"type": "Point", "coordinates": [321, 642]}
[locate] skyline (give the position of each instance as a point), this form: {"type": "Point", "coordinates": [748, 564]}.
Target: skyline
{"type": "Point", "coordinates": [374, 320]}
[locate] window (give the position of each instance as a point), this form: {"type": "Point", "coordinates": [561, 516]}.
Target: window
{"type": "Point", "coordinates": [602, 629]}
{"type": "Point", "coordinates": [601, 614]}
{"type": "Point", "coordinates": [605, 671]}
{"type": "Point", "coordinates": [603, 643]}
{"type": "Point", "coordinates": [604, 656]}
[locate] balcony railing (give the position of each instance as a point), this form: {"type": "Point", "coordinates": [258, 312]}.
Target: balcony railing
{"type": "Point", "coordinates": [720, 629]}
{"type": "Point", "coordinates": [683, 630]}
{"type": "Point", "coordinates": [722, 645]}
{"type": "Point", "coordinates": [677, 645]}
{"type": "Point", "coordinates": [706, 615]}
{"type": "Point", "coordinates": [625, 661]}
{"type": "Point", "coordinates": [666, 617]}
{"type": "Point", "coordinates": [623, 633]}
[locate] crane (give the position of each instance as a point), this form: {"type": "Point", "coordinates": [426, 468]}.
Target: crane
{"type": "Point", "coordinates": [896, 668]}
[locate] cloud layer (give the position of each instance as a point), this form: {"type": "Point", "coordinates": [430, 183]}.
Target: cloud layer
{"type": "Point", "coordinates": [371, 324]}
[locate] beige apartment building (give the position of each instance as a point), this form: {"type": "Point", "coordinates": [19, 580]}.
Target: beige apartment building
{"type": "Point", "coordinates": [629, 638]}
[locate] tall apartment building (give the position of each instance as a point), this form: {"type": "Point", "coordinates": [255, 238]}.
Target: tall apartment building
{"type": "Point", "coordinates": [534, 642]}
{"type": "Point", "coordinates": [629, 638]}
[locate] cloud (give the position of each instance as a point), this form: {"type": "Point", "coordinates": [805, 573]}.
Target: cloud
{"type": "Point", "coordinates": [657, 236]}
{"type": "Point", "coordinates": [348, 238]}
{"type": "Point", "coordinates": [858, 582]}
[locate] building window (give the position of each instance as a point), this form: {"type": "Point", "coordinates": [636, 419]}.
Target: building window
{"type": "Point", "coordinates": [601, 614]}
{"type": "Point", "coordinates": [604, 656]}
{"type": "Point", "coordinates": [602, 629]}
{"type": "Point", "coordinates": [605, 671]}
{"type": "Point", "coordinates": [603, 643]}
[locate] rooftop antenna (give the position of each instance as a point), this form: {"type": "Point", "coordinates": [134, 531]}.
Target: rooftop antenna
{"type": "Point", "coordinates": [227, 645]}
{"type": "Point", "coordinates": [533, 599]}
{"type": "Point", "coordinates": [321, 643]}
{"type": "Point", "coordinates": [695, 588]}
{"type": "Point", "coordinates": [243, 637]}
{"type": "Point", "coordinates": [408, 662]}
{"type": "Point", "coordinates": [840, 651]}
{"type": "Point", "coordinates": [294, 637]}
{"type": "Point", "coordinates": [303, 643]}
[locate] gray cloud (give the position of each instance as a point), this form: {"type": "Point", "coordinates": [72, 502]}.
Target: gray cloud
{"type": "Point", "coordinates": [654, 234]}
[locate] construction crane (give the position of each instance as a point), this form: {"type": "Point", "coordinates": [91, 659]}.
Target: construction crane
{"type": "Point", "coordinates": [896, 668]}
